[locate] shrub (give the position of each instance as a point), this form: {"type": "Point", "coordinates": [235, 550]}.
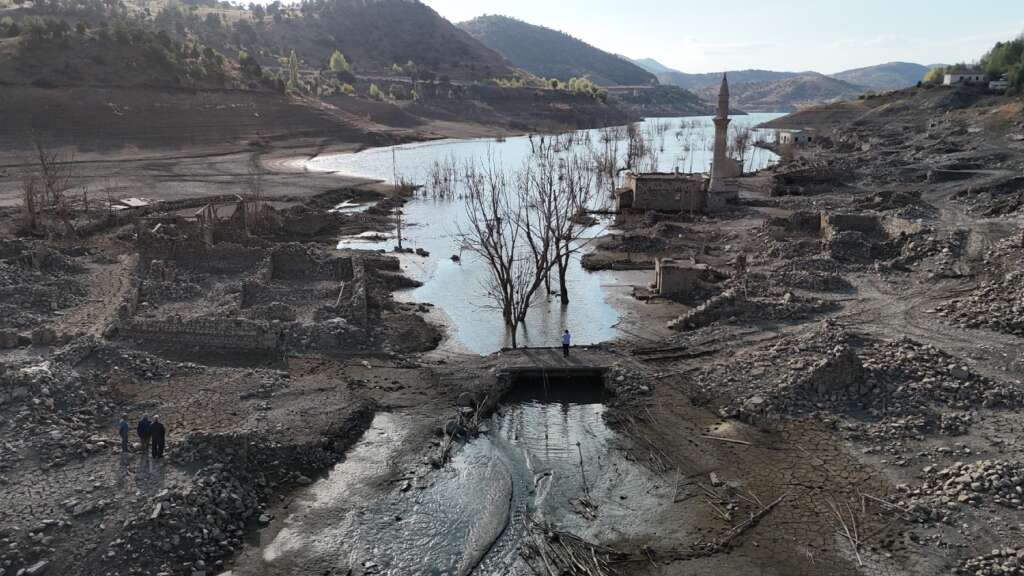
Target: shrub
{"type": "Point", "coordinates": [375, 92]}
{"type": "Point", "coordinates": [338, 63]}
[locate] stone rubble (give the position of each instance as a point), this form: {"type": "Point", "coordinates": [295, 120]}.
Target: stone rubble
{"type": "Point", "coordinates": [943, 491]}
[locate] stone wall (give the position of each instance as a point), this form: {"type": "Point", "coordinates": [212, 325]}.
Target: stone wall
{"type": "Point", "coordinates": [667, 192]}
{"type": "Point", "coordinates": [294, 262]}
{"type": "Point", "coordinates": [872, 226]}
{"type": "Point", "coordinates": [219, 333]}
{"type": "Point", "coordinates": [221, 259]}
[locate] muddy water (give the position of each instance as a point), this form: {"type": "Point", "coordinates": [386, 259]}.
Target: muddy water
{"type": "Point", "coordinates": [540, 456]}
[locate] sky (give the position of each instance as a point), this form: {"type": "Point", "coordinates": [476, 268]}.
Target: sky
{"type": "Point", "coordinates": [826, 36]}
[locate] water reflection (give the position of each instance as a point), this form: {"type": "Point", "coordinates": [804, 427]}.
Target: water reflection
{"type": "Point", "coordinates": [456, 287]}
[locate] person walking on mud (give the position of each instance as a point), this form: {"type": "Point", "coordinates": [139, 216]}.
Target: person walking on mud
{"type": "Point", "coordinates": [158, 435]}
{"type": "Point", "coordinates": [566, 342]}
{"type": "Point", "coordinates": [143, 431]}
{"type": "Point", "coordinates": [122, 429]}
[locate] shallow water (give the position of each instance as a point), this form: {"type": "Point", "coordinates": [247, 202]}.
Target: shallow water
{"type": "Point", "coordinates": [469, 518]}
{"type": "Point", "coordinates": [457, 288]}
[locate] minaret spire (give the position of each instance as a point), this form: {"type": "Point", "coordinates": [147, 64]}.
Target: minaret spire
{"type": "Point", "coordinates": [723, 97]}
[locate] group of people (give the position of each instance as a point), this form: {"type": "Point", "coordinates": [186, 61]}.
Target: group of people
{"type": "Point", "coordinates": [152, 434]}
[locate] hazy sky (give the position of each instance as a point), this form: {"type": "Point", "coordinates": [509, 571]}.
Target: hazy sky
{"type": "Point", "coordinates": [823, 35]}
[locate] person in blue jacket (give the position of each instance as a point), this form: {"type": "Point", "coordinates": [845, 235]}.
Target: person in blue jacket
{"type": "Point", "coordinates": [122, 429]}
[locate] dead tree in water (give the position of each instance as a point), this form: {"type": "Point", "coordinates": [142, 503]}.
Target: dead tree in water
{"type": "Point", "coordinates": [560, 191]}
{"type": "Point", "coordinates": [499, 232]}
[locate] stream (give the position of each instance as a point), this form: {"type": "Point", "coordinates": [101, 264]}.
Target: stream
{"type": "Point", "coordinates": [545, 448]}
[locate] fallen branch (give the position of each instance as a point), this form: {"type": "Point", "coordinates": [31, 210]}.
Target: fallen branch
{"type": "Point", "coordinates": [749, 523]}
{"type": "Point", "coordinates": [852, 536]}
{"type": "Point", "coordinates": [729, 440]}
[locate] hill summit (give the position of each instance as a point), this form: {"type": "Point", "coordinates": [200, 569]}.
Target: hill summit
{"type": "Point", "coordinates": [553, 54]}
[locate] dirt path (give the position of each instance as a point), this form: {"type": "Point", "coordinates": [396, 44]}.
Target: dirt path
{"type": "Point", "coordinates": [109, 286]}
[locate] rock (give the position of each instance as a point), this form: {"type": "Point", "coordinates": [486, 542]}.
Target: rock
{"type": "Point", "coordinates": [303, 480]}
{"type": "Point", "coordinates": [37, 568]}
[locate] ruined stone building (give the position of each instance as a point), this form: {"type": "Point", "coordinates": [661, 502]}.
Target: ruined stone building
{"type": "Point", "coordinates": [678, 192]}
{"type": "Point", "coordinates": [795, 137]}
{"type": "Point", "coordinates": [664, 192]}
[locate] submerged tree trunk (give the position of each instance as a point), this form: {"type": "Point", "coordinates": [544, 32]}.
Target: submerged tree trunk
{"type": "Point", "coordinates": [563, 270]}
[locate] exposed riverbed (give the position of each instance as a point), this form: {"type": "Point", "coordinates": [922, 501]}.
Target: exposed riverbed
{"type": "Point", "coordinates": [546, 455]}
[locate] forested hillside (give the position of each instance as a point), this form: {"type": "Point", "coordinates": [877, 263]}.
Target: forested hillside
{"type": "Point", "coordinates": [552, 54]}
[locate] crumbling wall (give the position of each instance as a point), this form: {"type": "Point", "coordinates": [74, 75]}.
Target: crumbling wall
{"type": "Point", "coordinates": [220, 333]}
{"type": "Point", "coordinates": [667, 192]}
{"type": "Point", "coordinates": [706, 313]}
{"type": "Point", "coordinates": [870, 225]}
{"type": "Point", "coordinates": [295, 262]}
{"type": "Point", "coordinates": [801, 222]}
{"type": "Point", "coordinates": [222, 259]}
{"type": "Point", "coordinates": [896, 227]}
{"type": "Point", "coordinates": [358, 307]}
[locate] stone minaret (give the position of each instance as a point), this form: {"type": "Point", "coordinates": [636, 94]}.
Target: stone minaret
{"type": "Point", "coordinates": [723, 168]}
{"type": "Point", "coordinates": [719, 168]}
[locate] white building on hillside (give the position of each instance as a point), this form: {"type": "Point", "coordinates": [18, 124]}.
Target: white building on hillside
{"type": "Point", "coordinates": [795, 137]}
{"type": "Point", "coordinates": [971, 77]}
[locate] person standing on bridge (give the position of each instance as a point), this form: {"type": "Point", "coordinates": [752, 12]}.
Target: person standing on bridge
{"type": "Point", "coordinates": [566, 342]}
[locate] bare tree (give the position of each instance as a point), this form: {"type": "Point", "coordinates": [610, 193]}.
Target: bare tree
{"type": "Point", "coordinates": [254, 216]}
{"type": "Point", "coordinates": [44, 188]}
{"type": "Point", "coordinates": [497, 233]}
{"type": "Point", "coordinates": [561, 189]}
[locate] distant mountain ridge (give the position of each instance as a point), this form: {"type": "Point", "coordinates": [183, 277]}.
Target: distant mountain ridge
{"type": "Point", "coordinates": [888, 76]}
{"type": "Point", "coordinates": [785, 95]}
{"type": "Point", "coordinates": [779, 91]}
{"type": "Point", "coordinates": [552, 54]}
{"type": "Point", "coordinates": [697, 81]}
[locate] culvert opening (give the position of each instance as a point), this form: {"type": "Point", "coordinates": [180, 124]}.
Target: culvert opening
{"type": "Point", "coordinates": [558, 386]}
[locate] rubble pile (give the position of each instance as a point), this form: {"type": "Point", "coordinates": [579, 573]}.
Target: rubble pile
{"type": "Point", "coordinates": [996, 304]}
{"type": "Point", "coordinates": [897, 385]}
{"type": "Point", "coordinates": [35, 281]}
{"type": "Point", "coordinates": [817, 274]}
{"type": "Point", "coordinates": [193, 529]}
{"type": "Point", "coordinates": [56, 413]}
{"type": "Point", "coordinates": [791, 249]}
{"type": "Point", "coordinates": [943, 491]}
{"type": "Point", "coordinates": [628, 384]}
{"type": "Point", "coordinates": [994, 199]}
{"type": "Point", "coordinates": [103, 356]}
{"type": "Point", "coordinates": [899, 203]}
{"type": "Point", "coordinates": [1004, 562]}
{"type": "Point", "coordinates": [915, 372]}
{"type": "Point", "coordinates": [328, 335]}
{"type": "Point", "coordinates": [851, 246]}
{"type": "Point", "coordinates": [731, 306]}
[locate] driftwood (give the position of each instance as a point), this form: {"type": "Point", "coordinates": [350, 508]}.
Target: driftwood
{"type": "Point", "coordinates": [729, 536]}
{"type": "Point", "coordinates": [564, 554]}
{"type": "Point", "coordinates": [729, 440]}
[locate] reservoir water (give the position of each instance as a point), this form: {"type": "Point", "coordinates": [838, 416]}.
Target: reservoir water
{"type": "Point", "coordinates": [456, 288]}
